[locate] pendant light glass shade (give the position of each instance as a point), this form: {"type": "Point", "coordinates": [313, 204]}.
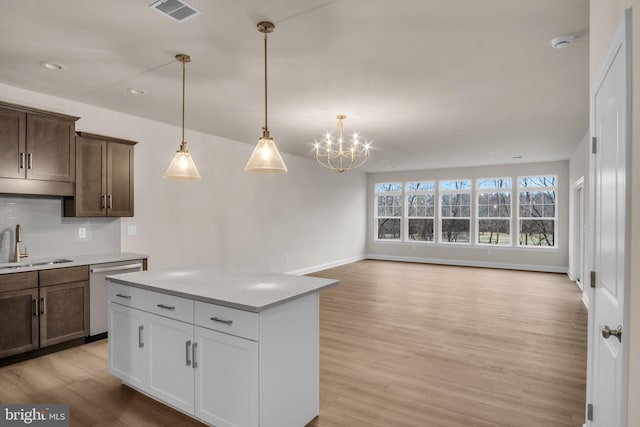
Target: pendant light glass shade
{"type": "Point", "coordinates": [265, 158]}
{"type": "Point", "coordinates": [182, 167]}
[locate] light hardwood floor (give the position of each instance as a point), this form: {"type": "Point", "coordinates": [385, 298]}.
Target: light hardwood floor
{"type": "Point", "coordinates": [400, 345]}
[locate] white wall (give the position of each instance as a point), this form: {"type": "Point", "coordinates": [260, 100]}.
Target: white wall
{"type": "Point", "coordinates": [604, 18]}
{"type": "Point", "coordinates": [579, 168]}
{"type": "Point", "coordinates": [306, 219]}
{"type": "Point", "coordinates": [512, 257]}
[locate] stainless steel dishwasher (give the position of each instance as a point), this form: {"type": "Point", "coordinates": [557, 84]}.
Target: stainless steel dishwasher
{"type": "Point", "coordinates": [99, 295]}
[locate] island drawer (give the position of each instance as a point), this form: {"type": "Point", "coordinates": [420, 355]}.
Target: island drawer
{"type": "Point", "coordinates": [127, 295]}
{"type": "Point", "coordinates": [170, 306]}
{"type": "Point", "coordinates": [232, 321]}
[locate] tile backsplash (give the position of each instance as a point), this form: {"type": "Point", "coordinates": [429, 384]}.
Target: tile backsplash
{"type": "Point", "coordinates": [47, 234]}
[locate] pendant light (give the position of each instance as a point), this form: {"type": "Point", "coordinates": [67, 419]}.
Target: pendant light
{"type": "Point", "coordinates": [182, 167]}
{"type": "Point", "coordinates": [265, 157]}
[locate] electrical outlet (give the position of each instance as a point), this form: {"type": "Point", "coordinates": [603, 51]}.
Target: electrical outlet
{"type": "Point", "coordinates": [82, 233]}
{"type": "Point", "coordinates": [131, 230]}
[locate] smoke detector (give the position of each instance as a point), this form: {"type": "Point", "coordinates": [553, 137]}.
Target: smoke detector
{"type": "Point", "coordinates": [175, 9]}
{"type": "Point", "coordinates": [563, 41]}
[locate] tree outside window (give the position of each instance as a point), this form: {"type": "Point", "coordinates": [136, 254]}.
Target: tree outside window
{"type": "Point", "coordinates": [388, 211]}
{"type": "Point", "coordinates": [494, 211]}
{"type": "Point", "coordinates": [537, 211]}
{"type": "Point", "coordinates": [455, 211]}
{"type": "Point", "coordinates": [421, 199]}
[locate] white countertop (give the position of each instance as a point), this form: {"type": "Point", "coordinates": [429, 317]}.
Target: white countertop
{"type": "Point", "coordinates": [75, 260]}
{"type": "Point", "coordinates": [245, 291]}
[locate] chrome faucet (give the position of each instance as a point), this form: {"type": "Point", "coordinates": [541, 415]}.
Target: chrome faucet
{"type": "Point", "coordinates": [17, 255]}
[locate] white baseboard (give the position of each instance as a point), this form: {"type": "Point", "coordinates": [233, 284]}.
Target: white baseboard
{"type": "Point", "coordinates": [466, 263]}
{"type": "Point", "coordinates": [325, 266]}
{"type": "Point", "coordinates": [571, 275]}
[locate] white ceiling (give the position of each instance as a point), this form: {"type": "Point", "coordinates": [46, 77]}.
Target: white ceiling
{"type": "Point", "coordinates": [432, 83]}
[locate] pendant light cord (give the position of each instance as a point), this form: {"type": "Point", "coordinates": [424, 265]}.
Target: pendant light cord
{"type": "Point", "coordinates": [266, 126]}
{"type": "Point", "coordinates": [183, 90]}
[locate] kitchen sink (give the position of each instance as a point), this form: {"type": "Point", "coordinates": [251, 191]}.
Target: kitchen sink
{"type": "Point", "coordinates": [36, 263]}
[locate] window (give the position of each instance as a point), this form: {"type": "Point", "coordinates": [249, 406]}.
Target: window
{"type": "Point", "coordinates": [537, 211]}
{"type": "Point", "coordinates": [455, 211]}
{"type": "Point", "coordinates": [494, 211]}
{"type": "Point", "coordinates": [388, 211]}
{"type": "Point", "coordinates": [421, 199]}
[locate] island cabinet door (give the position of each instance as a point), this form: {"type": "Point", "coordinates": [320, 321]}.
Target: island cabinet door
{"type": "Point", "coordinates": [128, 345]}
{"type": "Point", "coordinates": [171, 362]}
{"type": "Point", "coordinates": [226, 369]}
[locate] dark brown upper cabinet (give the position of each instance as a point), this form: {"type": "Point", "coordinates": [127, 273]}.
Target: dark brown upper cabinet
{"type": "Point", "coordinates": [37, 151]}
{"type": "Point", "coordinates": [104, 177]}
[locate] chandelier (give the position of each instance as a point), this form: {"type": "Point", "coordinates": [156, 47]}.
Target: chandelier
{"type": "Point", "coordinates": [332, 154]}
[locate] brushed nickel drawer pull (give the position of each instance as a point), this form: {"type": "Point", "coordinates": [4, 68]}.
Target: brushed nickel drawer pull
{"type": "Point", "coordinates": [140, 343]}
{"type": "Point", "coordinates": [104, 201]}
{"type": "Point", "coordinates": [29, 161]}
{"type": "Point", "coordinates": [188, 347]}
{"type": "Point", "coordinates": [35, 307]}
{"type": "Point", "coordinates": [21, 160]}
{"type": "Point", "coordinates": [110, 197]}
{"type": "Point", "coordinates": [217, 319]}
{"type": "Point", "coordinates": [168, 307]}
{"type": "Point", "coordinates": [42, 301]}
{"type": "Point", "coordinates": [124, 296]}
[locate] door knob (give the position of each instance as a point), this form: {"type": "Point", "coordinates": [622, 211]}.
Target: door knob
{"type": "Point", "coordinates": [607, 332]}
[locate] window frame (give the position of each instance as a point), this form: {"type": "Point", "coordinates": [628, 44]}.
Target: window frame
{"type": "Point", "coordinates": [478, 218]}
{"type": "Point", "coordinates": [554, 188]}
{"type": "Point", "coordinates": [441, 217]}
{"type": "Point", "coordinates": [399, 193]}
{"type": "Point", "coordinates": [406, 218]}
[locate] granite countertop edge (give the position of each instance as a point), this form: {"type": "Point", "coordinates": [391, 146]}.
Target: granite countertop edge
{"type": "Point", "coordinates": [76, 260]}
{"type": "Point", "coordinates": [228, 302]}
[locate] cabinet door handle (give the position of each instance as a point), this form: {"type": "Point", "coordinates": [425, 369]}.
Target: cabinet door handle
{"type": "Point", "coordinates": [168, 307]}
{"type": "Point", "coordinates": [42, 302]}
{"type": "Point", "coordinates": [21, 160]}
{"type": "Point", "coordinates": [104, 201]}
{"type": "Point", "coordinates": [194, 347]}
{"type": "Point", "coordinates": [124, 296]}
{"type": "Point", "coordinates": [29, 161]}
{"type": "Point", "coordinates": [188, 347]}
{"type": "Point", "coordinates": [226, 322]}
{"type": "Point", "coordinates": [140, 343]}
{"type": "Point", "coordinates": [34, 303]}
{"type": "Point", "coordinates": [110, 201]}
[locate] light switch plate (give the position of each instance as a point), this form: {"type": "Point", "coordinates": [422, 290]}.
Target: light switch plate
{"type": "Point", "coordinates": [131, 230]}
{"type": "Point", "coordinates": [82, 233]}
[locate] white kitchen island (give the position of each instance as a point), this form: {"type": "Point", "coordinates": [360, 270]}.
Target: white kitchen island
{"type": "Point", "coordinates": [227, 348]}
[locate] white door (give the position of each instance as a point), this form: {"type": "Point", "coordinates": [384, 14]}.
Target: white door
{"type": "Point", "coordinates": [226, 379]}
{"type": "Point", "coordinates": [610, 109]}
{"type": "Point", "coordinates": [170, 365]}
{"type": "Point", "coordinates": [127, 350]}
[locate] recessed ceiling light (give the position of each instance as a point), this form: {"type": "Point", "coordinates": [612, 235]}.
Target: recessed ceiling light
{"type": "Point", "coordinates": [133, 91]}
{"type": "Point", "coordinates": [52, 66]}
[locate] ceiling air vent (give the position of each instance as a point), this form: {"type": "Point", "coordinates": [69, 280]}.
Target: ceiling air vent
{"type": "Point", "coordinates": [175, 9]}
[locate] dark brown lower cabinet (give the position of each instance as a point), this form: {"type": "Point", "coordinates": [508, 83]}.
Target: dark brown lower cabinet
{"type": "Point", "coordinates": [19, 332]}
{"type": "Point", "coordinates": [64, 312]}
{"type": "Point", "coordinates": [39, 309]}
